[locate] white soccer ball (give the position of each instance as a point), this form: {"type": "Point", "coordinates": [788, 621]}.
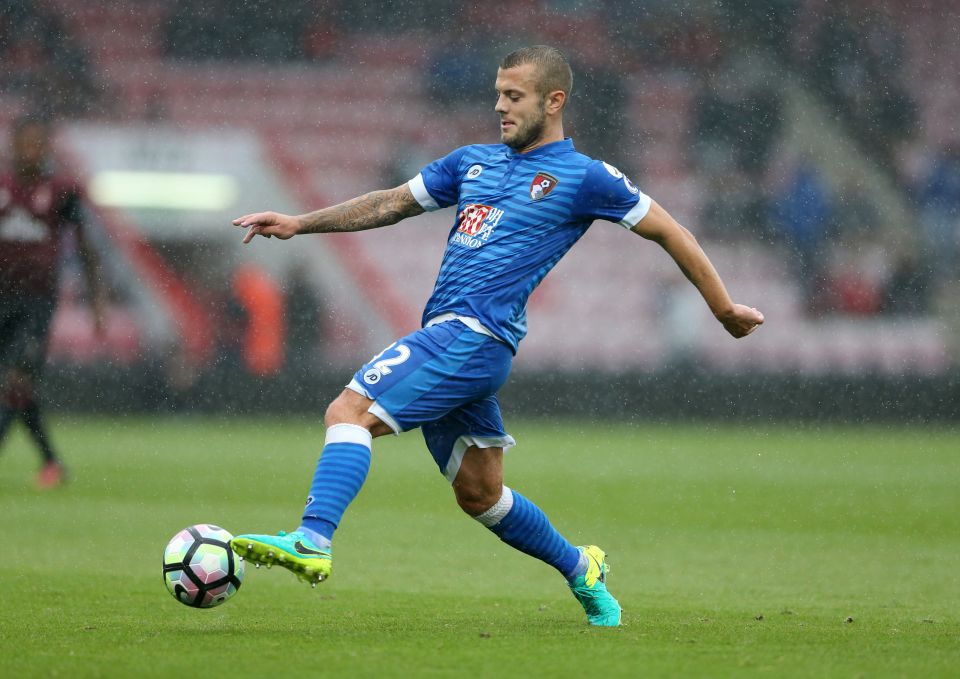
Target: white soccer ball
{"type": "Point", "coordinates": [199, 568]}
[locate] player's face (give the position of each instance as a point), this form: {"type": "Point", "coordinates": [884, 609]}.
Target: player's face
{"type": "Point", "coordinates": [523, 116]}
{"type": "Point", "coordinates": [30, 145]}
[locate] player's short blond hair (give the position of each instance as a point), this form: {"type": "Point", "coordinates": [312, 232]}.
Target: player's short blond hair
{"type": "Point", "coordinates": [553, 69]}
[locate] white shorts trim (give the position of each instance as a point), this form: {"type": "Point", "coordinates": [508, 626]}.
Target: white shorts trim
{"type": "Point", "coordinates": [359, 388]}
{"type": "Point", "coordinates": [419, 191]}
{"type": "Point", "coordinates": [375, 409]}
{"type": "Point", "coordinates": [460, 448]}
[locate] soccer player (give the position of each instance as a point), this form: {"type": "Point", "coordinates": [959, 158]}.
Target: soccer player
{"type": "Point", "coordinates": [38, 208]}
{"type": "Point", "coordinates": [521, 205]}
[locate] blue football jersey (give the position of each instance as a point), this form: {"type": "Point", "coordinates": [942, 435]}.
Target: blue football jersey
{"type": "Point", "coordinates": [517, 215]}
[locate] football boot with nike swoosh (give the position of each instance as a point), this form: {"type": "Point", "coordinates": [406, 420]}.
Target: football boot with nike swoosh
{"type": "Point", "coordinates": [590, 589]}
{"type": "Point", "coordinates": [293, 551]}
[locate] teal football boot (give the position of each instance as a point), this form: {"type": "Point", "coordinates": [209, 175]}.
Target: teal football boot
{"type": "Point", "coordinates": [590, 589]}
{"type": "Point", "coordinates": [293, 551]}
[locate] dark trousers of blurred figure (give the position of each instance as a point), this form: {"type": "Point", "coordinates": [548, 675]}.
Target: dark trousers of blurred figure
{"type": "Point", "coordinates": [24, 329]}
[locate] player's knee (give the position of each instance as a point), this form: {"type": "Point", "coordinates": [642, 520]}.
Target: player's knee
{"type": "Point", "coordinates": [348, 408]}
{"type": "Point", "coordinates": [479, 481]}
{"type": "Point", "coordinates": [475, 498]}
{"type": "Point", "coordinates": [352, 408]}
{"type": "Point", "coordinates": [340, 412]}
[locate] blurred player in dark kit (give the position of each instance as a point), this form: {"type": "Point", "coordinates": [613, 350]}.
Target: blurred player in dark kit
{"type": "Point", "coordinates": [38, 208]}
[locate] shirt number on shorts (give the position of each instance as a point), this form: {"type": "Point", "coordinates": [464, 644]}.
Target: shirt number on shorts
{"type": "Point", "coordinates": [383, 366]}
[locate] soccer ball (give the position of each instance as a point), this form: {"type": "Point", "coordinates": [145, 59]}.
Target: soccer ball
{"type": "Point", "coordinates": [199, 568]}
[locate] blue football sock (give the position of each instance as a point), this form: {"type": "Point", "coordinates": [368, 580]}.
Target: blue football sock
{"type": "Point", "coordinates": [340, 474]}
{"type": "Point", "coordinates": [524, 526]}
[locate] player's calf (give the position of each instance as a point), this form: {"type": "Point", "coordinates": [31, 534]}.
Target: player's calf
{"type": "Point", "coordinates": [522, 525]}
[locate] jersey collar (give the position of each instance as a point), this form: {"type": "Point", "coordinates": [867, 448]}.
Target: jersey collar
{"type": "Point", "coordinates": [565, 144]}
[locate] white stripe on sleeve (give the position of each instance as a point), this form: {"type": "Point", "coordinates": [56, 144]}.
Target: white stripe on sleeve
{"type": "Point", "coordinates": [638, 212]}
{"type": "Point", "coordinates": [419, 191]}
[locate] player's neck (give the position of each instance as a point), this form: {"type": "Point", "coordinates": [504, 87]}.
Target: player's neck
{"type": "Point", "coordinates": [548, 137]}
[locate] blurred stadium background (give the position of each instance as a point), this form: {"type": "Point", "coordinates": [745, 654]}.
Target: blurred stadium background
{"type": "Point", "coordinates": [812, 146]}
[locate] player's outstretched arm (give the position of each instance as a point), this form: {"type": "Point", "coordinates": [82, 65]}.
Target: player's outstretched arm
{"type": "Point", "coordinates": [369, 211]}
{"type": "Point", "coordinates": [660, 227]}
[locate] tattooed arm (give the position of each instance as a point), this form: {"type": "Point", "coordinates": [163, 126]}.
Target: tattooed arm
{"type": "Point", "coordinates": [369, 211]}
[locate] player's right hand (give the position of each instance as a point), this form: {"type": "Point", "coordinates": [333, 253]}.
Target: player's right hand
{"type": "Point", "coordinates": [267, 224]}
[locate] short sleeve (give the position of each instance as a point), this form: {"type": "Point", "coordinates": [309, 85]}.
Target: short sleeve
{"type": "Point", "coordinates": [438, 184]}
{"type": "Point", "coordinates": [607, 193]}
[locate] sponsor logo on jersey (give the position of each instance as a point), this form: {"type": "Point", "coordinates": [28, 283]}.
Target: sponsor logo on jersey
{"type": "Point", "coordinates": [542, 185]}
{"type": "Point", "coordinates": [477, 223]}
{"type": "Point", "coordinates": [474, 171]}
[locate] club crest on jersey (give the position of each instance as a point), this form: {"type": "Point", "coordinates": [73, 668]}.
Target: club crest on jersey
{"type": "Point", "coordinates": [542, 185]}
{"type": "Point", "coordinates": [477, 223]}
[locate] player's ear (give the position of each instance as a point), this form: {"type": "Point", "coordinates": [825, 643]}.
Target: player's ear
{"type": "Point", "coordinates": [555, 101]}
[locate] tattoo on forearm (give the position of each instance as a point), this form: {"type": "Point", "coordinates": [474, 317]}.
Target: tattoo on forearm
{"type": "Point", "coordinates": [377, 208]}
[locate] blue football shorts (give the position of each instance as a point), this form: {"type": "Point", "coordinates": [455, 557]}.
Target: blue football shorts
{"type": "Point", "coordinates": [443, 379]}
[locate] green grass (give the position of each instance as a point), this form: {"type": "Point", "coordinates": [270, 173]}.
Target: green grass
{"type": "Point", "coordinates": [708, 529]}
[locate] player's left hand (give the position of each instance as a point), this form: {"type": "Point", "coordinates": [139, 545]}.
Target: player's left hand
{"type": "Point", "coordinates": [741, 320]}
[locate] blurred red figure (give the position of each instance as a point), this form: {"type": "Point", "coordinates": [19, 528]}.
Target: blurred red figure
{"type": "Point", "coordinates": [38, 208]}
{"type": "Point", "coordinates": [262, 301]}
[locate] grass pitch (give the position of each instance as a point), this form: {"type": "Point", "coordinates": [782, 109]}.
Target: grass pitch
{"type": "Point", "coordinates": [736, 551]}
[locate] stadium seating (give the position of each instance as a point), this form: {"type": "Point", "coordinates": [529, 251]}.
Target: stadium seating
{"type": "Point", "coordinates": [336, 130]}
